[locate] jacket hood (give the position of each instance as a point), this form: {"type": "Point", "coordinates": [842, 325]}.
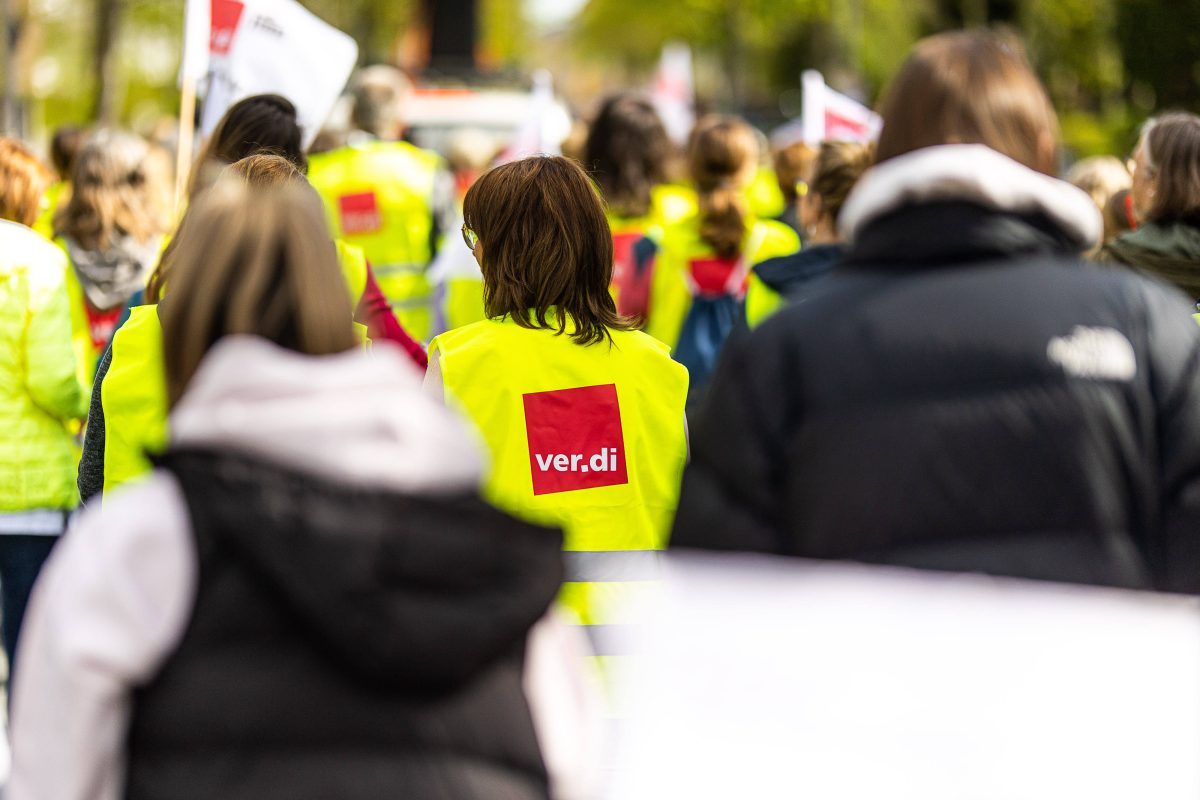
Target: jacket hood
{"type": "Point", "coordinates": [786, 272]}
{"type": "Point", "coordinates": [358, 417]}
{"type": "Point", "coordinates": [1178, 241]}
{"type": "Point", "coordinates": [375, 539]}
{"type": "Point", "coordinates": [110, 277]}
{"type": "Point", "coordinates": [976, 175]}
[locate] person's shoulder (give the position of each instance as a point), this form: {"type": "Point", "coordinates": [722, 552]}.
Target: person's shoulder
{"type": "Point", "coordinates": [480, 332]}
{"type": "Point", "coordinates": [22, 244]}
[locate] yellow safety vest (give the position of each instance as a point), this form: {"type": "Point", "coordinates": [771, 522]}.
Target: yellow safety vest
{"type": "Point", "coordinates": [589, 438]}
{"type": "Point", "coordinates": [761, 301]}
{"type": "Point", "coordinates": [669, 205]}
{"type": "Point", "coordinates": [55, 196]}
{"type": "Point", "coordinates": [463, 302]}
{"type": "Point", "coordinates": [378, 197]}
{"type": "Point", "coordinates": [133, 393]}
{"type": "Point", "coordinates": [134, 397]}
{"type": "Point", "coordinates": [682, 250]}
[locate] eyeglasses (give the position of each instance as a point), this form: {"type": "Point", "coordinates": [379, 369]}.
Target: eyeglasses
{"type": "Point", "coordinates": [470, 237]}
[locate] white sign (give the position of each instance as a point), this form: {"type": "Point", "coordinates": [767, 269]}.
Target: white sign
{"type": "Point", "coordinates": [276, 47]}
{"type": "Point", "coordinates": [764, 677]}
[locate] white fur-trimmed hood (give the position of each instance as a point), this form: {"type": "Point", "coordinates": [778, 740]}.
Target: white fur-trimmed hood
{"type": "Point", "coordinates": [970, 173]}
{"type": "Point", "coordinates": [357, 418]}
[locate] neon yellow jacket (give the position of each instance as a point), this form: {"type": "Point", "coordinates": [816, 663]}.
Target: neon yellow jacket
{"type": "Point", "coordinates": [40, 393]}
{"type": "Point", "coordinates": [590, 438]}
{"type": "Point", "coordinates": [378, 197]}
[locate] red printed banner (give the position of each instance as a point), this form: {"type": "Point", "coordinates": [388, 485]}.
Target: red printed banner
{"type": "Point", "coordinates": [226, 14]}
{"type": "Point", "coordinates": [360, 213]}
{"type": "Point", "coordinates": [575, 439]}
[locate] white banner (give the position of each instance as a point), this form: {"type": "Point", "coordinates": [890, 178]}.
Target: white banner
{"type": "Point", "coordinates": [832, 116]}
{"type": "Point", "coordinates": [772, 677]}
{"type": "Point", "coordinates": [276, 47]}
{"type": "Point", "coordinates": [197, 32]}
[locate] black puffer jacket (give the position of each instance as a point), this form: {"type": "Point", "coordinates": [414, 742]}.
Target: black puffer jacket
{"type": "Point", "coordinates": [962, 394]}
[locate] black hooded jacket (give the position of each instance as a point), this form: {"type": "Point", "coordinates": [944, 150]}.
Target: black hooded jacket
{"type": "Point", "coordinates": [345, 643]}
{"type": "Point", "coordinates": [962, 393]}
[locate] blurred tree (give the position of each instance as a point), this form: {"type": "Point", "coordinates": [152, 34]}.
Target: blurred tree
{"type": "Point", "coordinates": [1160, 43]}
{"type": "Point", "coordinates": [104, 62]}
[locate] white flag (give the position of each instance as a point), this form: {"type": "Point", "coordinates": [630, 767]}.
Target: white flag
{"type": "Point", "coordinates": [197, 31]}
{"type": "Point", "coordinates": [673, 94]}
{"type": "Point", "coordinates": [830, 115]}
{"type": "Point", "coordinates": [276, 47]}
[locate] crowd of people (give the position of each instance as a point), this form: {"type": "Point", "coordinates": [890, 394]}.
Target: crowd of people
{"type": "Point", "coordinates": [366, 501]}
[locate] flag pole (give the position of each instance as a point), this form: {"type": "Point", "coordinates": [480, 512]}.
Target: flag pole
{"type": "Point", "coordinates": [187, 136]}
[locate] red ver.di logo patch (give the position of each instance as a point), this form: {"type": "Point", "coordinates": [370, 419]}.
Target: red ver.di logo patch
{"type": "Point", "coordinates": [360, 213]}
{"type": "Point", "coordinates": [226, 14]}
{"type": "Point", "coordinates": [575, 439]}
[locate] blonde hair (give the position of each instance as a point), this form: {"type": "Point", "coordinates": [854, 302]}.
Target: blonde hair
{"type": "Point", "coordinates": [793, 164]}
{"type": "Point", "coordinates": [264, 170]}
{"type": "Point", "coordinates": [1103, 177]}
{"type": "Point", "coordinates": [254, 261]}
{"type": "Point", "coordinates": [23, 181]}
{"type": "Point", "coordinates": [721, 151]}
{"type": "Point", "coordinates": [111, 195]}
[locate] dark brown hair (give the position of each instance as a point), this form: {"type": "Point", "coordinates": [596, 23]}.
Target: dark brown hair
{"type": "Point", "coordinates": [970, 87]}
{"type": "Point", "coordinates": [65, 145]}
{"type": "Point", "coordinates": [262, 123]}
{"type": "Point", "coordinates": [838, 167]}
{"type": "Point", "coordinates": [1171, 148]}
{"type": "Point", "coordinates": [720, 153]}
{"type": "Point", "coordinates": [627, 152]}
{"type": "Point", "coordinates": [256, 261]}
{"type": "Point", "coordinates": [23, 181]}
{"type": "Point", "coordinates": [547, 247]}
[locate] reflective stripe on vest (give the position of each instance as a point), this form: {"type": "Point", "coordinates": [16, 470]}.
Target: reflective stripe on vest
{"type": "Point", "coordinates": [611, 565]}
{"type": "Point", "coordinates": [590, 438]}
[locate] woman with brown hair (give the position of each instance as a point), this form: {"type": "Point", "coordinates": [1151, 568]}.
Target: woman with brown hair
{"type": "Point", "coordinates": [963, 392]}
{"type": "Point", "coordinates": [111, 230]}
{"type": "Point", "coordinates": [41, 398]}
{"type": "Point", "coordinates": [582, 416]}
{"type": "Point", "coordinates": [307, 598]}
{"type": "Point", "coordinates": [701, 267]}
{"type": "Point", "coordinates": [1166, 201]}
{"type": "Point", "coordinates": [631, 158]}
